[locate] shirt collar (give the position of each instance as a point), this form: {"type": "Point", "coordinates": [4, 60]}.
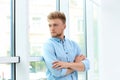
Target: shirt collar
{"type": "Point", "coordinates": [58, 39]}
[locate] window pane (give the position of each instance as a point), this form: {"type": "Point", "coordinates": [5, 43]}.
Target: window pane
{"type": "Point", "coordinates": [5, 28]}
{"type": "Point", "coordinates": [95, 29]}
{"type": "Point", "coordinates": [93, 34]}
{"type": "Point", "coordinates": [37, 71]}
{"type": "Point", "coordinates": [76, 23]}
{"type": "Point", "coordinates": [5, 72]}
{"type": "Point", "coordinates": [95, 1]}
{"type": "Point", "coordinates": [76, 26]}
{"type": "Point", "coordinates": [5, 69]}
{"type": "Point", "coordinates": [38, 32]}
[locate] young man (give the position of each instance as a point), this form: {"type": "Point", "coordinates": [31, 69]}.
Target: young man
{"type": "Point", "coordinates": [62, 56]}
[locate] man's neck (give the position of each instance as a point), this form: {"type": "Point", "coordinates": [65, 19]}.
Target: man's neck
{"type": "Point", "coordinates": [61, 38]}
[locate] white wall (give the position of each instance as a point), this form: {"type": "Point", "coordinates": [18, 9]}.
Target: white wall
{"type": "Point", "coordinates": [110, 40]}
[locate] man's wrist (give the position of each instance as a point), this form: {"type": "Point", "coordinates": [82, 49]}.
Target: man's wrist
{"type": "Point", "coordinates": [69, 65]}
{"type": "Point", "coordinates": [69, 71]}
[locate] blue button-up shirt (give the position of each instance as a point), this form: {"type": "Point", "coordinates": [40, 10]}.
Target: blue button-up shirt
{"type": "Point", "coordinates": [65, 50]}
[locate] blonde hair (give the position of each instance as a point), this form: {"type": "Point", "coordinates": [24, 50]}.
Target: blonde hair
{"type": "Point", "coordinates": [57, 15]}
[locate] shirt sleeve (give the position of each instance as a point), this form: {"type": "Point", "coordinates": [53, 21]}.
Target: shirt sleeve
{"type": "Point", "coordinates": [49, 56]}
{"type": "Point", "coordinates": [87, 64]}
{"type": "Point", "coordinates": [86, 61]}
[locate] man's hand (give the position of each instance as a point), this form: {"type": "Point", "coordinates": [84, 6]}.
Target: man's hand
{"type": "Point", "coordinates": [79, 58]}
{"type": "Point", "coordinates": [60, 64]}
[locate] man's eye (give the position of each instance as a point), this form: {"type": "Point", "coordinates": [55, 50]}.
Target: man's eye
{"type": "Point", "coordinates": [49, 25]}
{"type": "Point", "coordinates": [55, 24]}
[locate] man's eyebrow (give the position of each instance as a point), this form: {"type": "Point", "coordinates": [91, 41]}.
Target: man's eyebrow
{"type": "Point", "coordinates": [49, 24]}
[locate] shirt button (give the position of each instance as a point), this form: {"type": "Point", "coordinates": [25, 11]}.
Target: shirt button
{"type": "Point", "coordinates": [66, 52]}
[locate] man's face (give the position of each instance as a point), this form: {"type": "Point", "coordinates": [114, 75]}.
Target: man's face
{"type": "Point", "coordinates": [56, 27]}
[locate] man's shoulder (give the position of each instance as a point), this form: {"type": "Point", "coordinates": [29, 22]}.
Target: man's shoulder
{"type": "Point", "coordinates": [49, 41]}
{"type": "Point", "coordinates": [70, 40]}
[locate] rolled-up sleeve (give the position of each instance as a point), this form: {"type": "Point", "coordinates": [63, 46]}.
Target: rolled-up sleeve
{"type": "Point", "coordinates": [49, 56]}
{"type": "Point", "coordinates": [87, 64]}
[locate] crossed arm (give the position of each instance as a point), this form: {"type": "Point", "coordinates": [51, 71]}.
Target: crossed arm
{"type": "Point", "coordinates": [72, 66]}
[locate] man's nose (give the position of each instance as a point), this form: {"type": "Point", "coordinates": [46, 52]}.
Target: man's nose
{"type": "Point", "coordinates": [52, 28]}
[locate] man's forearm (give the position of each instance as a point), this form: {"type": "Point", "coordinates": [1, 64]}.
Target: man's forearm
{"type": "Point", "coordinates": [76, 66]}
{"type": "Point", "coordinates": [69, 71]}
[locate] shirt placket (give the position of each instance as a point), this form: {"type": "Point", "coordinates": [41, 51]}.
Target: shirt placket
{"type": "Point", "coordinates": [66, 51]}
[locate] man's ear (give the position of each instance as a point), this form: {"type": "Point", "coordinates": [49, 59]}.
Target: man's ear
{"type": "Point", "coordinates": [64, 26]}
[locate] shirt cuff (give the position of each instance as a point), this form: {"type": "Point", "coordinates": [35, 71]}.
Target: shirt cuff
{"type": "Point", "coordinates": [87, 64]}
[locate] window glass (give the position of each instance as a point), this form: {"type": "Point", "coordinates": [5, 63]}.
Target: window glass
{"type": "Point", "coordinates": [37, 71]}
{"type": "Point", "coordinates": [38, 32]}
{"type": "Point", "coordinates": [95, 45]}
{"type": "Point", "coordinates": [76, 26]}
{"type": "Point", "coordinates": [5, 69]}
{"type": "Point", "coordinates": [96, 60]}
{"type": "Point", "coordinates": [5, 28]}
{"type": "Point", "coordinates": [96, 1]}
{"type": "Point", "coordinates": [76, 22]}
{"type": "Point", "coordinates": [5, 72]}
{"type": "Point", "coordinates": [92, 30]}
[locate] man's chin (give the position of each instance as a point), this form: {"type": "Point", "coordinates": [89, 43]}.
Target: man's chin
{"type": "Point", "coordinates": [54, 36]}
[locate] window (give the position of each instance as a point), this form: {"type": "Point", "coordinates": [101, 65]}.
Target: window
{"type": "Point", "coordinates": [38, 33]}
{"type": "Point", "coordinates": [5, 38]}
{"type": "Point", "coordinates": [5, 27]}
{"type": "Point", "coordinates": [77, 26]}
{"type": "Point", "coordinates": [92, 37]}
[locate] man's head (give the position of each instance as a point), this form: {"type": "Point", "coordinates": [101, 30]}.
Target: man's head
{"type": "Point", "coordinates": [57, 24]}
{"type": "Point", "coordinates": [57, 15]}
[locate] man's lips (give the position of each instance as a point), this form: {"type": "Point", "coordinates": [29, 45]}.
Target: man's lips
{"type": "Point", "coordinates": [53, 32]}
